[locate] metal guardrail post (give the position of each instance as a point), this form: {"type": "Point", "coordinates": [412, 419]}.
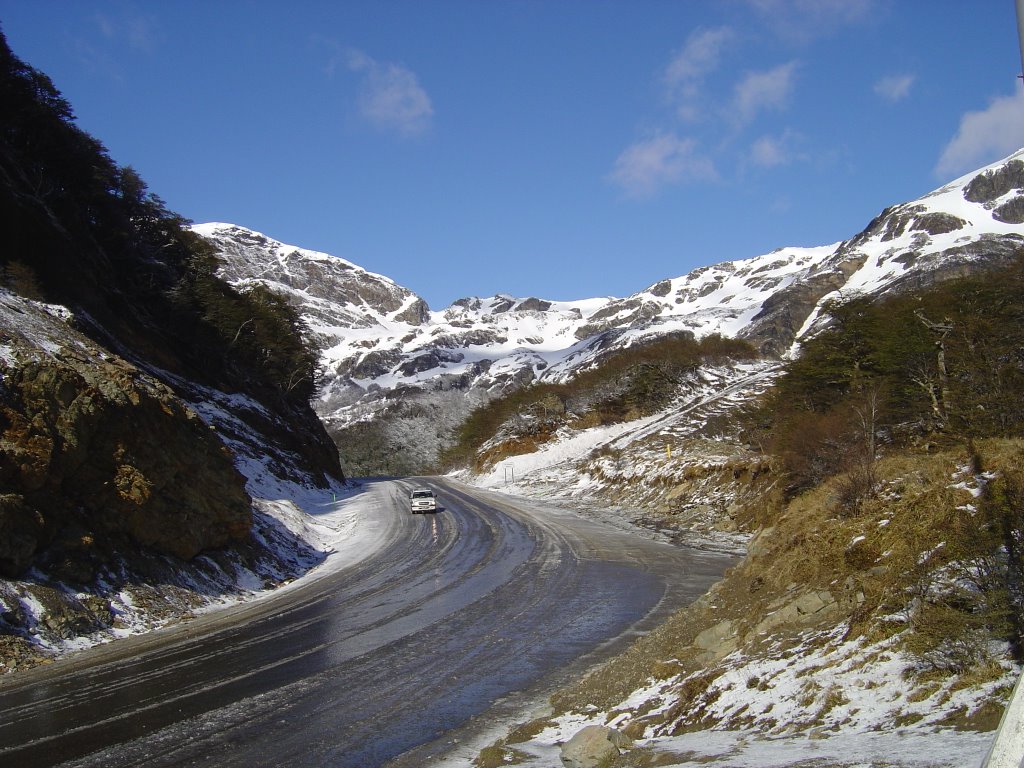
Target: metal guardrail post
{"type": "Point", "coordinates": [1007, 750]}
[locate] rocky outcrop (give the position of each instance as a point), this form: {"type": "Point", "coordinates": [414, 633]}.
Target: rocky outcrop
{"type": "Point", "coordinates": [94, 452]}
{"type": "Point", "coordinates": [620, 313]}
{"type": "Point", "coordinates": [782, 315]}
{"type": "Point", "coordinates": [717, 642]}
{"type": "Point", "coordinates": [593, 747]}
{"type": "Point", "coordinates": [417, 313]}
{"type": "Point", "coordinates": [991, 185]}
{"type": "Point", "coordinates": [329, 289]}
{"type": "Point", "coordinates": [1001, 189]}
{"type": "Point", "coordinates": [434, 358]}
{"type": "Point", "coordinates": [534, 305]}
{"type": "Point", "coordinates": [1011, 212]}
{"type": "Point", "coordinates": [802, 609]}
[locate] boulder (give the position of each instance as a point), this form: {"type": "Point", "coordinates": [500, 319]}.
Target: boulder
{"type": "Point", "coordinates": [718, 641]}
{"type": "Point", "coordinates": [594, 747]}
{"type": "Point", "coordinates": [805, 609]}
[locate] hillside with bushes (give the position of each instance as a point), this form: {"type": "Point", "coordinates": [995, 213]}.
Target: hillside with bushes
{"type": "Point", "coordinates": [945, 361]}
{"type": "Point", "coordinates": [620, 386]}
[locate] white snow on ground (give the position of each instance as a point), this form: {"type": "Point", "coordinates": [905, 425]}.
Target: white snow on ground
{"type": "Point", "coordinates": [338, 522]}
{"type": "Point", "coordinates": [902, 748]}
{"type": "Point", "coordinates": [341, 522]}
{"type": "Point", "coordinates": [859, 732]}
{"type": "Point", "coordinates": [339, 528]}
{"type": "Point", "coordinates": [816, 705]}
{"type": "Point", "coordinates": [518, 474]}
{"type": "Point", "coordinates": [554, 467]}
{"type": "Point", "coordinates": [572, 469]}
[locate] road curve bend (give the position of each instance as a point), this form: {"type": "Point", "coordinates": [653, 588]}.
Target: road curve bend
{"type": "Point", "coordinates": [490, 595]}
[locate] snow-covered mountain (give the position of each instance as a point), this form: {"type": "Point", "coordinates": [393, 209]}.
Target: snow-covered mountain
{"type": "Point", "coordinates": [386, 355]}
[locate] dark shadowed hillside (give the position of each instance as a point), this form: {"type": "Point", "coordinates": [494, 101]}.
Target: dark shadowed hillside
{"type": "Point", "coordinates": [115, 335]}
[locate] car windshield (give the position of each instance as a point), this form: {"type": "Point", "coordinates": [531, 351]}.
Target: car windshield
{"type": "Point", "coordinates": [422, 494]}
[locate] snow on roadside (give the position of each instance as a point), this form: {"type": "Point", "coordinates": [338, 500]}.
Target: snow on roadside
{"type": "Point", "coordinates": [554, 462]}
{"type": "Point", "coordinates": [816, 705]}
{"type": "Point", "coordinates": [555, 473]}
{"type": "Point", "coordinates": [309, 532]}
{"type": "Point", "coordinates": [341, 523]}
{"type": "Point", "coordinates": [300, 532]}
{"type": "Point", "coordinates": [902, 748]}
{"type": "Point", "coordinates": [336, 522]}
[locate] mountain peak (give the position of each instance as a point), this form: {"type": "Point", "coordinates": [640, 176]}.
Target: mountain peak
{"type": "Point", "coordinates": [379, 339]}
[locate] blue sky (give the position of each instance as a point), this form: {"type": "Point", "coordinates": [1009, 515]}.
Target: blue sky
{"type": "Point", "coordinates": [564, 149]}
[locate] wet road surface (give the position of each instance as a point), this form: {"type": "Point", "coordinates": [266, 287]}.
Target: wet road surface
{"type": "Point", "coordinates": [456, 610]}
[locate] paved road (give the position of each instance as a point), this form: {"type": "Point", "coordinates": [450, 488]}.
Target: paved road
{"type": "Point", "coordinates": [457, 609]}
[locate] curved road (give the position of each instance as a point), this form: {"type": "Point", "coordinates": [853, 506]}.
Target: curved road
{"type": "Point", "coordinates": [456, 610]}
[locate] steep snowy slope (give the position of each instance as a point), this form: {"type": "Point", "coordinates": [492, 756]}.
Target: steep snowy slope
{"type": "Point", "coordinates": [385, 355]}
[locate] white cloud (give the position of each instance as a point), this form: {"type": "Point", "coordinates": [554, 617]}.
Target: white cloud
{"type": "Point", "coordinates": [698, 57]}
{"type": "Point", "coordinates": [985, 136]}
{"type": "Point", "coordinates": [135, 30]}
{"type": "Point", "coordinates": [776, 151]}
{"type": "Point", "coordinates": [894, 87]}
{"type": "Point", "coordinates": [806, 20]}
{"type": "Point", "coordinates": [646, 167]}
{"type": "Point", "coordinates": [391, 96]}
{"type": "Point", "coordinates": [758, 91]}
{"type": "Point", "coordinates": [108, 45]}
{"type": "Point", "coordinates": [769, 152]}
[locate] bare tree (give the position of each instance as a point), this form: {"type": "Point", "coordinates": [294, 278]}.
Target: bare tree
{"type": "Point", "coordinates": [939, 393]}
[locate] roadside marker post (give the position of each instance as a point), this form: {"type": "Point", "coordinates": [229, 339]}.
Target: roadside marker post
{"type": "Point", "coordinates": [1007, 749]}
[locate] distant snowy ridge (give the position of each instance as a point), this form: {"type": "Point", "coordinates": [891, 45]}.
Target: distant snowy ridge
{"type": "Point", "coordinates": [380, 341]}
{"type": "Point", "coordinates": [335, 295]}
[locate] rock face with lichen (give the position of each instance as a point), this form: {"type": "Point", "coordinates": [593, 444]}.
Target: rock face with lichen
{"type": "Point", "coordinates": [94, 452]}
{"type": "Point", "coordinates": [121, 508]}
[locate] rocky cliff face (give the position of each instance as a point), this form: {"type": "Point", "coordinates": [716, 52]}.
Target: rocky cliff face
{"type": "Point", "coordinates": [122, 508]}
{"type": "Point", "coordinates": [94, 453]}
{"type": "Point", "coordinates": [333, 293]}
{"type": "Point", "coordinates": [415, 373]}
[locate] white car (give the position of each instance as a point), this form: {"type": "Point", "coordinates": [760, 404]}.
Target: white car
{"type": "Point", "coordinates": [422, 500]}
